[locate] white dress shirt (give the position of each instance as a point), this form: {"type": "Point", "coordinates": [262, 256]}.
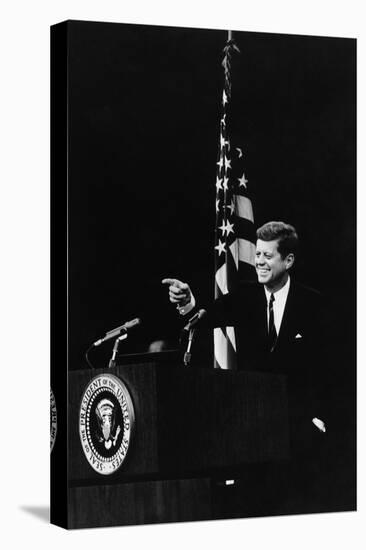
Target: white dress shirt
{"type": "Point", "coordinates": [183, 310]}
{"type": "Point", "coordinates": [279, 303]}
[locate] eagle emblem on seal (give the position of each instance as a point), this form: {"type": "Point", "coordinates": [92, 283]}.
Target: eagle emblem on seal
{"type": "Point", "coordinates": [106, 423]}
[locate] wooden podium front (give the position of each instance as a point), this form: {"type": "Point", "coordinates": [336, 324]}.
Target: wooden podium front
{"type": "Point", "coordinates": [191, 426]}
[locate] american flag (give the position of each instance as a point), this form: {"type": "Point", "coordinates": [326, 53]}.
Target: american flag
{"type": "Point", "coordinates": [234, 232]}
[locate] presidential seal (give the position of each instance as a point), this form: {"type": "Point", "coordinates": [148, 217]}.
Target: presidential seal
{"type": "Point", "coordinates": [53, 419]}
{"type": "Point", "coordinates": [106, 422]}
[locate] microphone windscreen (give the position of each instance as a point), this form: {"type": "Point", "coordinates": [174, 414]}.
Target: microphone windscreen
{"type": "Point", "coordinates": [132, 323]}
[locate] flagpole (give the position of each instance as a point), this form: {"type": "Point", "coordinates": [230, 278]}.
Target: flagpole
{"type": "Point", "coordinates": [233, 240]}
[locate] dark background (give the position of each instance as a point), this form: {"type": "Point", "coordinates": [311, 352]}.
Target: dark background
{"type": "Point", "coordinates": [144, 115]}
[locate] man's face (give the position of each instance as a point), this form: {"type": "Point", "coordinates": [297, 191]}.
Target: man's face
{"type": "Point", "coordinates": [270, 266]}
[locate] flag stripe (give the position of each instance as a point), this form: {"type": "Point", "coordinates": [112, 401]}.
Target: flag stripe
{"type": "Point", "coordinates": [232, 261]}
{"type": "Point", "coordinates": [223, 349]}
{"type": "Point", "coordinates": [230, 333]}
{"type": "Point", "coordinates": [244, 207]}
{"type": "Point", "coordinates": [234, 249]}
{"type": "Point", "coordinates": [221, 279]}
{"type": "Point", "coordinates": [244, 229]}
{"type": "Point", "coordinates": [246, 251]}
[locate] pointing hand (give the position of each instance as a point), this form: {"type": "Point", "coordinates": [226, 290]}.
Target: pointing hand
{"type": "Point", "coordinates": [179, 292]}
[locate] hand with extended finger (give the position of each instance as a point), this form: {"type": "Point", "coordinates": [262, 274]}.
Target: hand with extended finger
{"type": "Point", "coordinates": [179, 292]}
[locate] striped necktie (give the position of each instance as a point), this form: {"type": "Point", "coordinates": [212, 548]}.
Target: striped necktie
{"type": "Point", "coordinates": [272, 334]}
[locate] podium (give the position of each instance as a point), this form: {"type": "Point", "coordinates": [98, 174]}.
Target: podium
{"type": "Point", "coordinates": [192, 426]}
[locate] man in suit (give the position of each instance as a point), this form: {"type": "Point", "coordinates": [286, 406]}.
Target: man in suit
{"type": "Point", "coordinates": [281, 327]}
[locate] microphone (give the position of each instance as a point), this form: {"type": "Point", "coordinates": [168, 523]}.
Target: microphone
{"type": "Point", "coordinates": [119, 330]}
{"type": "Point", "coordinates": [190, 328]}
{"type": "Point", "coordinates": [195, 319]}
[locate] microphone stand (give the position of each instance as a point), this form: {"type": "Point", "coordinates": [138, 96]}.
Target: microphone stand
{"type": "Point", "coordinates": [112, 361]}
{"type": "Point", "coordinates": [188, 354]}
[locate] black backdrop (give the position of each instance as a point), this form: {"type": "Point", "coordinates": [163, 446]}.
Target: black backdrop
{"type": "Point", "coordinates": [144, 107]}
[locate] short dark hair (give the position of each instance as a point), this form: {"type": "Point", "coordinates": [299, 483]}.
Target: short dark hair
{"type": "Point", "coordinates": [282, 232]}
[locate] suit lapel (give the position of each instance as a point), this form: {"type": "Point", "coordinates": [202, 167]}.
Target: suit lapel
{"type": "Point", "coordinates": [289, 317]}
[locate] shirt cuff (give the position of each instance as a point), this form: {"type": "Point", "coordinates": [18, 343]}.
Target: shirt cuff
{"type": "Point", "coordinates": [183, 310]}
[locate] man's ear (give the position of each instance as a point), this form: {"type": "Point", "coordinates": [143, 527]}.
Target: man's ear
{"type": "Point", "coordinates": [290, 260]}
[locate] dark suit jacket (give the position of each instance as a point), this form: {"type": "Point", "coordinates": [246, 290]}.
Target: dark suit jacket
{"type": "Point", "coordinates": [300, 352]}
{"type": "Point", "coordinates": [306, 353]}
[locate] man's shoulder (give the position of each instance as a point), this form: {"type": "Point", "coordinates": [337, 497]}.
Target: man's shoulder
{"type": "Point", "coordinates": [307, 297]}
{"type": "Point", "coordinates": [250, 289]}
{"type": "Point", "coordinates": [304, 290]}
{"type": "Point", "coordinates": [254, 289]}
{"type": "Point", "coordinates": [246, 289]}
{"type": "Point", "coordinates": [247, 285]}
